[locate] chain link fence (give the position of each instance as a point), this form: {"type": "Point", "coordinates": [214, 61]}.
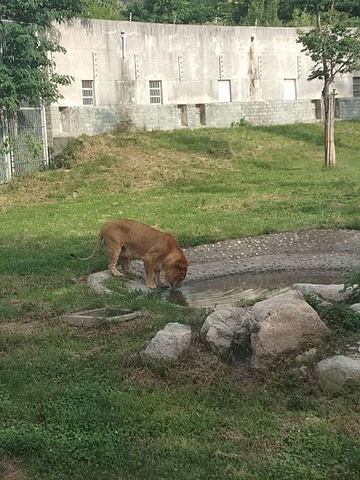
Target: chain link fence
{"type": "Point", "coordinates": [23, 143]}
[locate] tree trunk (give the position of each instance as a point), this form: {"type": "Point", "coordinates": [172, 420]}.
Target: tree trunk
{"type": "Point", "coordinates": [329, 121]}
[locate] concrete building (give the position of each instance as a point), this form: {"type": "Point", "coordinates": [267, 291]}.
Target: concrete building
{"type": "Point", "coordinates": [158, 76]}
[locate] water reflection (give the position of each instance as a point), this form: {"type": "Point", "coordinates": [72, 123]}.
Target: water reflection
{"type": "Point", "coordinates": [176, 296]}
{"type": "Point", "coordinates": [235, 288]}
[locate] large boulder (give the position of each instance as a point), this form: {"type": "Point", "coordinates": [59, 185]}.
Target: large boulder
{"type": "Point", "coordinates": [228, 329]}
{"type": "Point", "coordinates": [338, 373]}
{"type": "Point", "coordinates": [169, 344]}
{"type": "Point", "coordinates": [285, 324]}
{"type": "Point", "coordinates": [329, 292]}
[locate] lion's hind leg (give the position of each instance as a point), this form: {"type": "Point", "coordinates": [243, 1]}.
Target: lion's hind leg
{"type": "Point", "coordinates": [113, 248]}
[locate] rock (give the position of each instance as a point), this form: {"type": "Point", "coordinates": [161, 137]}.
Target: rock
{"type": "Point", "coordinates": [338, 373]}
{"type": "Point", "coordinates": [169, 344]}
{"type": "Point", "coordinates": [356, 307]}
{"type": "Point", "coordinates": [329, 292]}
{"type": "Point", "coordinates": [307, 357]}
{"type": "Point", "coordinates": [227, 328]}
{"type": "Point", "coordinates": [96, 281]}
{"type": "Point", "coordinates": [285, 323]}
{"type": "Point", "coordinates": [93, 318]}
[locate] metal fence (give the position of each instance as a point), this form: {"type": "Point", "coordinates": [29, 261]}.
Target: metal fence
{"type": "Point", "coordinates": [23, 143]}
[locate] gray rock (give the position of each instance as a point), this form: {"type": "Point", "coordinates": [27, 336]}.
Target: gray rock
{"type": "Point", "coordinates": [96, 281]}
{"type": "Point", "coordinates": [169, 344]}
{"type": "Point", "coordinates": [285, 323]}
{"type": "Point", "coordinates": [337, 373]}
{"type": "Point", "coordinates": [356, 307]}
{"type": "Point", "coordinates": [226, 328]}
{"type": "Point", "coordinates": [329, 292]}
{"type": "Point", "coordinates": [308, 356]}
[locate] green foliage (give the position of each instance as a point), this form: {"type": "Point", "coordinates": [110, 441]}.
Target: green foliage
{"type": "Point", "coordinates": [183, 11]}
{"type": "Point", "coordinates": [334, 49]}
{"type": "Point", "coordinates": [241, 123]}
{"type": "Point", "coordinates": [352, 286]}
{"type": "Point", "coordinates": [338, 316]}
{"type": "Point", "coordinates": [263, 12]}
{"type": "Point", "coordinates": [69, 155]}
{"type": "Point", "coordinates": [244, 12]}
{"type": "Point", "coordinates": [105, 9]}
{"type": "Point", "coordinates": [26, 68]}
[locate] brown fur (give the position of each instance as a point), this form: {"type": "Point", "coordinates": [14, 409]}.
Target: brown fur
{"type": "Point", "coordinates": [127, 240]}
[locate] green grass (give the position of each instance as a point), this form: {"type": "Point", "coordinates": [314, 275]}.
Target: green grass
{"type": "Point", "coordinates": [78, 404]}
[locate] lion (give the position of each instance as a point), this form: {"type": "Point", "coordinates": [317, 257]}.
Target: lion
{"type": "Point", "coordinates": [127, 240]}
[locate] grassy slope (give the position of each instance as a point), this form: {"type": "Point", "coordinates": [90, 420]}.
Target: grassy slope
{"type": "Point", "coordinates": [78, 404]}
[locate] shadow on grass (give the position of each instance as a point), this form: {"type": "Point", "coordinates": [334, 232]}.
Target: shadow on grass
{"type": "Point", "coordinates": [49, 256]}
{"type": "Point", "coordinates": [309, 133]}
{"type": "Point", "coordinates": [197, 141]}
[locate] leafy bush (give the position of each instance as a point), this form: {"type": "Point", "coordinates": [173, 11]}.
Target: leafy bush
{"type": "Point", "coordinates": [352, 284]}
{"type": "Point", "coordinates": [69, 155]}
{"type": "Point", "coordinates": [338, 316]}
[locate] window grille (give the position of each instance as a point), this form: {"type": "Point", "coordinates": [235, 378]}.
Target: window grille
{"type": "Point", "coordinates": [356, 86]}
{"type": "Point", "coordinates": [155, 91]}
{"type": "Point", "coordinates": [88, 92]}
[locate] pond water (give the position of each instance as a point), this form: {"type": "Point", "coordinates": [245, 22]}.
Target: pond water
{"type": "Point", "coordinates": [230, 290]}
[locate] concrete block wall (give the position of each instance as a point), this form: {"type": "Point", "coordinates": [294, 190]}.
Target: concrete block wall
{"type": "Point", "coordinates": [261, 113]}
{"type": "Point", "coordinates": [75, 121]}
{"type": "Point", "coordinates": [347, 108]}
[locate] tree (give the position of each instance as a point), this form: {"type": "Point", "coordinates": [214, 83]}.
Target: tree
{"type": "Point", "coordinates": [183, 11]}
{"type": "Point", "coordinates": [335, 50]}
{"type": "Point", "coordinates": [105, 9]}
{"type": "Point", "coordinates": [263, 12]}
{"type": "Point", "coordinates": [26, 44]}
{"type": "Point", "coordinates": [290, 11]}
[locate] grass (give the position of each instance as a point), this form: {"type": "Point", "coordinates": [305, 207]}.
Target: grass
{"type": "Point", "coordinates": [78, 404]}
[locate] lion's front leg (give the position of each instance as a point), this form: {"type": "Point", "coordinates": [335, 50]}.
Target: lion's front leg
{"type": "Point", "coordinates": [158, 280]}
{"type": "Point", "coordinates": [149, 265]}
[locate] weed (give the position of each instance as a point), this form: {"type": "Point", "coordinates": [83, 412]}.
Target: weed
{"type": "Point", "coordinates": [69, 155]}
{"type": "Point", "coordinates": [338, 316]}
{"type": "Point", "coordinates": [352, 286]}
{"type": "Point", "coordinates": [241, 123]}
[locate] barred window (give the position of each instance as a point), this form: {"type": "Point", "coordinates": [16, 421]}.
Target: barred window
{"type": "Point", "coordinates": [88, 92]}
{"type": "Point", "coordinates": [356, 86]}
{"type": "Point", "coordinates": [155, 91]}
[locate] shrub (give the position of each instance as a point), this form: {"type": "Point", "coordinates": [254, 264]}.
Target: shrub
{"type": "Point", "coordinates": [69, 155]}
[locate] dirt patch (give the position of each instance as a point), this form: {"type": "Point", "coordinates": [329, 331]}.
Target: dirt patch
{"type": "Point", "coordinates": [11, 469]}
{"type": "Point", "coordinates": [25, 327]}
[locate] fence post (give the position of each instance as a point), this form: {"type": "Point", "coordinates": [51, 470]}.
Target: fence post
{"type": "Point", "coordinates": [44, 135]}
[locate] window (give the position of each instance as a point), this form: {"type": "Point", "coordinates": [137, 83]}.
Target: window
{"type": "Point", "coordinates": [155, 91]}
{"type": "Point", "coordinates": [88, 92]}
{"type": "Point", "coordinates": [356, 86]}
{"type": "Point", "coordinates": [224, 91]}
{"type": "Point", "coordinates": [289, 89]}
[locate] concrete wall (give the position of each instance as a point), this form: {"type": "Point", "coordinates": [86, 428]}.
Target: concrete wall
{"type": "Point", "coordinates": [261, 66]}
{"type": "Point", "coordinates": [347, 108]}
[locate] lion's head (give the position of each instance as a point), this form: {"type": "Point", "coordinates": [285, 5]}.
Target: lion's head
{"type": "Point", "coordinates": [175, 269]}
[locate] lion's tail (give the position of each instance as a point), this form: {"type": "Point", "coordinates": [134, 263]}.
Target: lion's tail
{"type": "Point", "coordinates": [98, 244]}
